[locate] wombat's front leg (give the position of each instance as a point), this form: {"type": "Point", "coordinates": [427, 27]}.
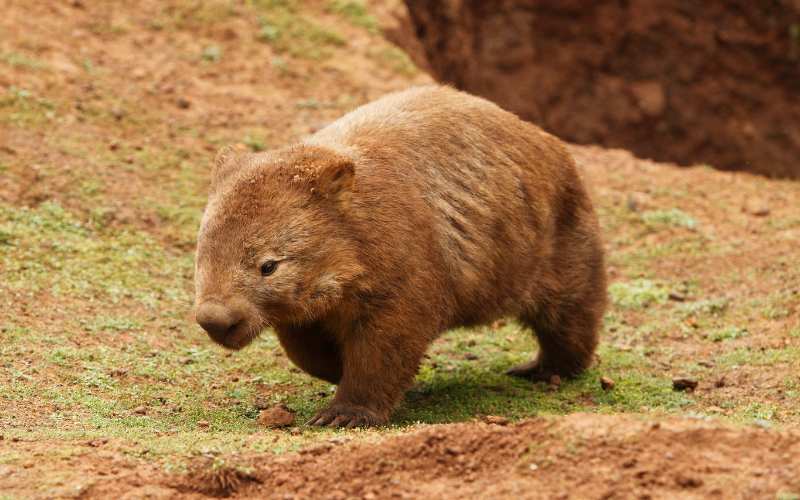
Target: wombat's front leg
{"type": "Point", "coordinates": [313, 350]}
{"type": "Point", "coordinates": [378, 367]}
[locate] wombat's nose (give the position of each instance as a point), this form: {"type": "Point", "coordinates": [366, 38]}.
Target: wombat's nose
{"type": "Point", "coordinates": [217, 319]}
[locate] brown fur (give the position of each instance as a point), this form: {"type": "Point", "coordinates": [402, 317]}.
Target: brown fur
{"type": "Point", "coordinates": [423, 211]}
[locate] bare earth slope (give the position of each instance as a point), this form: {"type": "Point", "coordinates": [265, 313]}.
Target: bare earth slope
{"type": "Point", "coordinates": [110, 114]}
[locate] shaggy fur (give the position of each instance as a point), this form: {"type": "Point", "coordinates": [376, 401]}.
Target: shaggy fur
{"type": "Point", "coordinates": [423, 211]}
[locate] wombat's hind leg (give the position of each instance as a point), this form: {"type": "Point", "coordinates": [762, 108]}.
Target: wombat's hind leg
{"type": "Point", "coordinates": [567, 340]}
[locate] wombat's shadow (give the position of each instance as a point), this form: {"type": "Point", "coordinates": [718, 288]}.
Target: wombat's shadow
{"type": "Point", "coordinates": [457, 396]}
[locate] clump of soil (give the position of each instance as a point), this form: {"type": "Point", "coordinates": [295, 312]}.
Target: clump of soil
{"type": "Point", "coordinates": [216, 481]}
{"type": "Point", "coordinates": [276, 417]}
{"type": "Point", "coordinates": [685, 81]}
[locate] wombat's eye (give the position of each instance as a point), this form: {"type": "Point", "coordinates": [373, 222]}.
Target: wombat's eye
{"type": "Point", "coordinates": [268, 267]}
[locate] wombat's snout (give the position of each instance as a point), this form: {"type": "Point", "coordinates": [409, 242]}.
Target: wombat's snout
{"type": "Point", "coordinates": [218, 320]}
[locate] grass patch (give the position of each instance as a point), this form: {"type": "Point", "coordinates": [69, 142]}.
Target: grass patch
{"type": "Point", "coordinates": [22, 108]}
{"type": "Point", "coordinates": [355, 12]}
{"type": "Point", "coordinates": [19, 60]}
{"type": "Point", "coordinates": [674, 217]}
{"type": "Point", "coordinates": [289, 31]}
{"type": "Point", "coordinates": [638, 294]}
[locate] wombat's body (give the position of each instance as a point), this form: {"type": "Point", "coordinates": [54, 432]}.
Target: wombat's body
{"type": "Point", "coordinates": [422, 211]}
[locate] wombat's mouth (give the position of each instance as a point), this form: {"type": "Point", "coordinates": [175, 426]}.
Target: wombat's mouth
{"type": "Point", "coordinates": [238, 337]}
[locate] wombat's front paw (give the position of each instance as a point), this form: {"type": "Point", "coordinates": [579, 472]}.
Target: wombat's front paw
{"type": "Point", "coordinates": [339, 415]}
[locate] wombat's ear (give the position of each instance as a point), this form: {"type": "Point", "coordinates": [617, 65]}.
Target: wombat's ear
{"type": "Point", "coordinates": [334, 180]}
{"type": "Point", "coordinates": [226, 162]}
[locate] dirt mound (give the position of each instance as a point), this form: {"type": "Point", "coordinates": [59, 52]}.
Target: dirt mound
{"type": "Point", "coordinates": [685, 81]}
{"type": "Point", "coordinates": [581, 456]}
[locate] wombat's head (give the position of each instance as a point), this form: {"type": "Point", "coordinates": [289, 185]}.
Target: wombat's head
{"type": "Point", "coordinates": [273, 246]}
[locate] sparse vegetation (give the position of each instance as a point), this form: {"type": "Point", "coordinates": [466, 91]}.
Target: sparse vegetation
{"type": "Point", "coordinates": [103, 180]}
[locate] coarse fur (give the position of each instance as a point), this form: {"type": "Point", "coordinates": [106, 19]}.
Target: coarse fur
{"type": "Point", "coordinates": [425, 210]}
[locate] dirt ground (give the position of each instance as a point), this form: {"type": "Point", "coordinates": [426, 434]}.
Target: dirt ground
{"type": "Point", "coordinates": [110, 114]}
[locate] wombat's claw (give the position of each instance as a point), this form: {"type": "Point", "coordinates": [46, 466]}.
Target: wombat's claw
{"type": "Point", "coordinates": [344, 417]}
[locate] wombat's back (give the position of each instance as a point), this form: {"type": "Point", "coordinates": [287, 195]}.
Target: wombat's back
{"type": "Point", "coordinates": [491, 187]}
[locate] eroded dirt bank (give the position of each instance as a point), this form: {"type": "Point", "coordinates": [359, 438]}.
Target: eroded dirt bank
{"type": "Point", "coordinates": [579, 456]}
{"type": "Point", "coordinates": [681, 81]}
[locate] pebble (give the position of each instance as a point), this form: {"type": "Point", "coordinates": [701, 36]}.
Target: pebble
{"type": "Point", "coordinates": [684, 384]}
{"type": "Point", "coordinates": [496, 420]}
{"type": "Point", "coordinates": [606, 383]}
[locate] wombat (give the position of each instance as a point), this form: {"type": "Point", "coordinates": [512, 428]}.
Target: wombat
{"type": "Point", "coordinates": [425, 210]}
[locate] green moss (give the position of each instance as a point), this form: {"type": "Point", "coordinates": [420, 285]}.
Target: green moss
{"type": "Point", "coordinates": [22, 108]}
{"type": "Point", "coordinates": [354, 11]}
{"type": "Point", "coordinates": [638, 294]}
{"type": "Point", "coordinates": [670, 218]}
{"type": "Point", "coordinates": [289, 31]}
{"type": "Point", "coordinates": [19, 60]}
{"type": "Point", "coordinates": [727, 333]}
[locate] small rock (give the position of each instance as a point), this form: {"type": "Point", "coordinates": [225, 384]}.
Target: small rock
{"type": "Point", "coordinates": [96, 443]}
{"type": "Point", "coordinates": [496, 420]}
{"type": "Point", "coordinates": [756, 206]}
{"type": "Point", "coordinates": [720, 383]}
{"type": "Point", "coordinates": [555, 381]}
{"type": "Point", "coordinates": [183, 103]}
{"type": "Point", "coordinates": [203, 424]}
{"type": "Point", "coordinates": [275, 417]}
{"type": "Point", "coordinates": [471, 357]}
{"type": "Point", "coordinates": [688, 481]}
{"type": "Point", "coordinates": [606, 383]}
{"type": "Point", "coordinates": [637, 202]}
{"type": "Point", "coordinates": [684, 384]}
{"type": "Point", "coordinates": [320, 449]}
{"type": "Point", "coordinates": [140, 410]}
{"type": "Point", "coordinates": [677, 296]}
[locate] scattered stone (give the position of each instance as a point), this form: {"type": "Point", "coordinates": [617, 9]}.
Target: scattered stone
{"type": "Point", "coordinates": [496, 420]}
{"type": "Point", "coordinates": [677, 296]}
{"type": "Point", "coordinates": [140, 410]}
{"type": "Point", "coordinates": [684, 384]}
{"type": "Point", "coordinates": [756, 206]}
{"type": "Point", "coordinates": [688, 481]}
{"type": "Point", "coordinates": [320, 449]}
{"type": "Point", "coordinates": [637, 202]}
{"type": "Point", "coordinates": [276, 417]}
{"type": "Point", "coordinates": [606, 383]}
{"type": "Point", "coordinates": [203, 424]}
